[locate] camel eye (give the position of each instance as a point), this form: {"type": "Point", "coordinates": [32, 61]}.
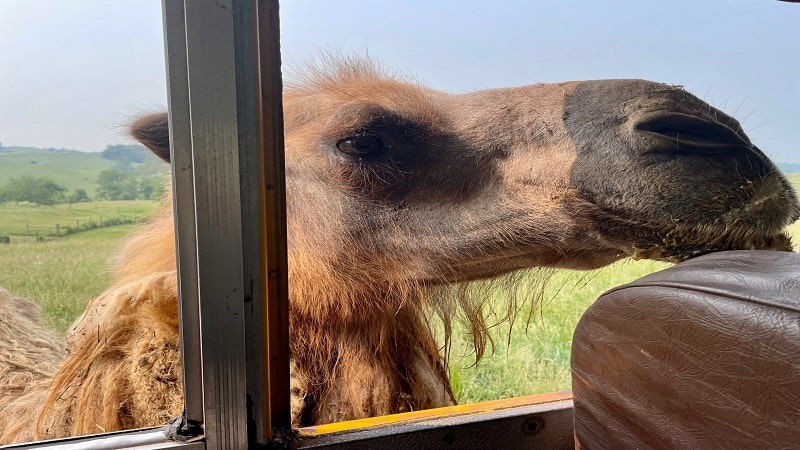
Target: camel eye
{"type": "Point", "coordinates": [359, 145]}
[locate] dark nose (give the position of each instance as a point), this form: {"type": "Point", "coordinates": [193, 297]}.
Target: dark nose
{"type": "Point", "coordinates": [648, 147]}
{"type": "Point", "coordinates": [651, 117]}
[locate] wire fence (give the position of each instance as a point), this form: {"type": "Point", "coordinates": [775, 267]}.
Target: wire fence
{"type": "Point", "coordinates": [39, 233]}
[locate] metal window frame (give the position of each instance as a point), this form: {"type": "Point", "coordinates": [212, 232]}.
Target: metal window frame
{"type": "Point", "coordinates": [226, 134]}
{"type": "Point", "coordinates": [226, 121]}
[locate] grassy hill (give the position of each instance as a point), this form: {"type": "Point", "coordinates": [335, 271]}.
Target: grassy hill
{"type": "Point", "coordinates": [69, 168]}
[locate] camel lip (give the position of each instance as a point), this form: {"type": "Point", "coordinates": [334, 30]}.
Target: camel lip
{"type": "Point", "coordinates": [772, 206]}
{"type": "Point", "coordinates": [763, 209]}
{"type": "Point", "coordinates": [743, 228]}
{"type": "Point", "coordinates": [674, 250]}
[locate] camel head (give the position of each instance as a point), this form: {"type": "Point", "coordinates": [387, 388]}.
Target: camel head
{"type": "Point", "coordinates": [391, 183]}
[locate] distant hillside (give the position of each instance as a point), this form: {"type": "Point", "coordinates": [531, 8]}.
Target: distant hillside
{"type": "Point", "coordinates": [69, 168]}
{"type": "Point", "coordinates": [129, 154]}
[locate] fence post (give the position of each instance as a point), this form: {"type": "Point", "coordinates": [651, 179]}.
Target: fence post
{"type": "Point", "coordinates": [27, 229]}
{"type": "Point", "coordinates": [58, 229]}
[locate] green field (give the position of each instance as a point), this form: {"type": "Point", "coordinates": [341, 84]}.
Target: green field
{"type": "Point", "coordinates": [63, 273]}
{"type": "Point", "coordinates": [22, 222]}
{"type": "Point", "coordinates": [70, 169]}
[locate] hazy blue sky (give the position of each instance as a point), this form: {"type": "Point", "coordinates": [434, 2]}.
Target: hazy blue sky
{"type": "Point", "coordinates": [73, 71]}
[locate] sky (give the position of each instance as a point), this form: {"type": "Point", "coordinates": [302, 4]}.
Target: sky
{"type": "Point", "coordinates": [74, 72]}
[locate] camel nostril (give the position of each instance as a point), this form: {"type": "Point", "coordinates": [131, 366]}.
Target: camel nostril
{"type": "Point", "coordinates": [691, 131]}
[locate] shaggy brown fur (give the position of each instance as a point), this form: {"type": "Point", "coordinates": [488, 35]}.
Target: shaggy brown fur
{"type": "Point", "coordinates": [29, 356]}
{"type": "Point", "coordinates": [461, 188]}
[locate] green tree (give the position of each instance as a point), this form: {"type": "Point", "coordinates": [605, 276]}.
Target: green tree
{"type": "Point", "coordinates": [130, 188]}
{"type": "Point", "coordinates": [118, 184]}
{"type": "Point", "coordinates": [78, 196]}
{"type": "Point", "coordinates": [27, 188]}
{"type": "Point", "coordinates": [127, 182]}
{"type": "Point", "coordinates": [151, 187]}
{"type": "Point", "coordinates": [111, 184]}
{"type": "Point", "coordinates": [133, 154]}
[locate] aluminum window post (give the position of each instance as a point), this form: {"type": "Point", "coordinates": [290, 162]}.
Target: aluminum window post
{"type": "Point", "coordinates": [229, 189]}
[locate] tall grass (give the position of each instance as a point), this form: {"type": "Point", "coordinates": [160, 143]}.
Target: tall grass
{"type": "Point", "coordinates": [61, 274]}
{"type": "Point", "coordinates": [533, 356]}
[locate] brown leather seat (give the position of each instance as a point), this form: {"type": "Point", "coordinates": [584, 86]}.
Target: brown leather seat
{"type": "Point", "coordinates": [703, 355]}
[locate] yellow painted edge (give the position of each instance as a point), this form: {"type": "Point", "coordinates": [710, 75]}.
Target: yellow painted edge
{"type": "Point", "coordinates": [436, 413]}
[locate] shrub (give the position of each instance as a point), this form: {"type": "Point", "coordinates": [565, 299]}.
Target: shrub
{"type": "Point", "coordinates": [26, 188]}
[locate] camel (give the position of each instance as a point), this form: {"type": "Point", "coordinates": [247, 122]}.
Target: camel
{"type": "Point", "coordinates": [33, 354]}
{"type": "Point", "coordinates": [399, 197]}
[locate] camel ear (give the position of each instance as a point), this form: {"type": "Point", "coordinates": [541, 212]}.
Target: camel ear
{"type": "Point", "coordinates": [153, 132]}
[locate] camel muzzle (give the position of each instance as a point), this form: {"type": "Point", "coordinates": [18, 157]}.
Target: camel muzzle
{"type": "Point", "coordinates": [669, 170]}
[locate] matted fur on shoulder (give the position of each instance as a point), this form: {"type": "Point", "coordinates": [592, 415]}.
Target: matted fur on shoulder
{"type": "Point", "coordinates": [30, 354]}
{"type": "Point", "coordinates": [122, 371]}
